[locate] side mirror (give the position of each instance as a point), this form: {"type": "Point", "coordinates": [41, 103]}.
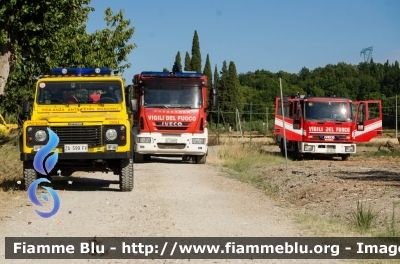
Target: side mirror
{"type": "Point", "coordinates": [215, 98]}
{"type": "Point", "coordinates": [134, 105]}
{"type": "Point", "coordinates": [128, 95]}
{"type": "Point", "coordinates": [26, 108]}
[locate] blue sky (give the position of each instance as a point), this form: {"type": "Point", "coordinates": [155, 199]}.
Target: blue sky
{"type": "Point", "coordinates": [257, 34]}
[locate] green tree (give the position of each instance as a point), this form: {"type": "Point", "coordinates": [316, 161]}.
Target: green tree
{"type": "Point", "coordinates": [232, 94]}
{"type": "Point", "coordinates": [187, 62]}
{"type": "Point", "coordinates": [195, 62]}
{"type": "Point", "coordinates": [216, 77]}
{"type": "Point", "coordinates": [165, 69]}
{"type": "Point", "coordinates": [28, 28]}
{"type": "Point", "coordinates": [177, 64]}
{"type": "Point", "coordinates": [207, 72]}
{"type": "Point", "coordinates": [75, 48]}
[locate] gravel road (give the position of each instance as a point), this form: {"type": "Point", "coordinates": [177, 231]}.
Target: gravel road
{"type": "Point", "coordinates": [170, 199]}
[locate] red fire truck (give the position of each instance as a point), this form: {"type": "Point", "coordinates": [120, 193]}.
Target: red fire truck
{"type": "Point", "coordinates": [170, 117]}
{"type": "Point", "coordinates": [329, 126]}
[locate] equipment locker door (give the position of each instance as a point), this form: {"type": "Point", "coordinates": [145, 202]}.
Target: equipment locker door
{"type": "Point", "coordinates": [368, 120]}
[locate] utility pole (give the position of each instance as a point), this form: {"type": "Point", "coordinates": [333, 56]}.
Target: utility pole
{"type": "Point", "coordinates": [267, 120]}
{"type": "Point", "coordinates": [284, 129]}
{"type": "Point", "coordinates": [251, 104]}
{"type": "Point", "coordinates": [396, 116]}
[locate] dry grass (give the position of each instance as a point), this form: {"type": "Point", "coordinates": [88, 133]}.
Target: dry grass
{"type": "Point", "coordinates": [10, 169]}
{"type": "Point", "coordinates": [244, 160]}
{"type": "Point", "coordinates": [10, 164]}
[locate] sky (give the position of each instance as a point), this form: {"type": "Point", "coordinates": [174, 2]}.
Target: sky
{"type": "Point", "coordinates": [270, 35]}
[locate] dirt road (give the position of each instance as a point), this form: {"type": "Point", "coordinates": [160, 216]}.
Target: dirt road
{"type": "Point", "coordinates": [170, 199]}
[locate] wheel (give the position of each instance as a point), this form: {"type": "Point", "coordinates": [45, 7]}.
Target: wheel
{"type": "Point", "coordinates": [282, 149]}
{"type": "Point", "coordinates": [297, 155]}
{"type": "Point", "coordinates": [30, 174]}
{"type": "Point", "coordinates": [139, 158]}
{"type": "Point", "coordinates": [345, 157]}
{"type": "Point", "coordinates": [126, 175]}
{"type": "Point", "coordinates": [200, 159]}
{"type": "Point", "coordinates": [147, 158]}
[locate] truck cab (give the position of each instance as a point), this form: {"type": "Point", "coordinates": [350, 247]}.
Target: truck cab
{"type": "Point", "coordinates": [81, 117]}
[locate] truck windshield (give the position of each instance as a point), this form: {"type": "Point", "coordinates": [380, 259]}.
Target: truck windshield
{"type": "Point", "coordinates": [172, 97]}
{"type": "Point", "coordinates": [86, 92]}
{"type": "Point", "coordinates": [328, 111]}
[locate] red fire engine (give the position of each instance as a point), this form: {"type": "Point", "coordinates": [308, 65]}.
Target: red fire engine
{"type": "Point", "coordinates": [329, 126]}
{"type": "Point", "coordinates": [170, 117]}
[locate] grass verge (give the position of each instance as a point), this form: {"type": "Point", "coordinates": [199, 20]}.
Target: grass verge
{"type": "Point", "coordinates": [10, 168]}
{"type": "Point", "coordinates": [245, 162]}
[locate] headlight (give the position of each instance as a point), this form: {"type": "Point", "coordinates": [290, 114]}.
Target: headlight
{"type": "Point", "coordinates": [111, 134]}
{"type": "Point", "coordinates": [144, 139]}
{"type": "Point", "coordinates": [40, 136]}
{"type": "Point", "coordinates": [197, 140]}
{"type": "Point", "coordinates": [349, 149]}
{"type": "Point", "coordinates": [308, 148]}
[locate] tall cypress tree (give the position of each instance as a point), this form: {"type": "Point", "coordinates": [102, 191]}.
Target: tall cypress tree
{"type": "Point", "coordinates": [207, 72]}
{"type": "Point", "coordinates": [229, 92]}
{"type": "Point", "coordinates": [214, 116]}
{"type": "Point", "coordinates": [195, 63]}
{"type": "Point", "coordinates": [233, 96]}
{"type": "Point", "coordinates": [177, 65]}
{"type": "Point", "coordinates": [216, 77]}
{"type": "Point", "coordinates": [222, 81]}
{"type": "Point", "coordinates": [187, 62]}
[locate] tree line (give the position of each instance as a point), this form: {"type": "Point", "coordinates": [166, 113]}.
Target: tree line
{"type": "Point", "coordinates": [365, 81]}
{"type": "Point", "coordinates": [36, 36]}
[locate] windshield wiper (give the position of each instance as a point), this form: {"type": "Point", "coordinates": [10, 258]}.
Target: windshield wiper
{"type": "Point", "coordinates": [158, 106]}
{"type": "Point", "coordinates": [59, 101]}
{"type": "Point", "coordinates": [184, 106]}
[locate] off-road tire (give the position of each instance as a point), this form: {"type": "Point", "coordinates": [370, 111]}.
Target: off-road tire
{"type": "Point", "coordinates": [147, 158]}
{"type": "Point", "coordinates": [30, 174]}
{"type": "Point", "coordinates": [139, 158]}
{"type": "Point", "coordinates": [282, 147]}
{"type": "Point", "coordinates": [345, 157]}
{"type": "Point", "coordinates": [200, 159]}
{"type": "Point", "coordinates": [296, 153]}
{"type": "Point", "coordinates": [126, 175]}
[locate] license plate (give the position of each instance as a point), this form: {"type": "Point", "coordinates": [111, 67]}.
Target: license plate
{"type": "Point", "coordinates": [76, 148]}
{"type": "Point", "coordinates": [171, 140]}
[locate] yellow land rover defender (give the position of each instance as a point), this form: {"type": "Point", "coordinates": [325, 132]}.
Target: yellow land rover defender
{"type": "Point", "coordinates": [88, 110]}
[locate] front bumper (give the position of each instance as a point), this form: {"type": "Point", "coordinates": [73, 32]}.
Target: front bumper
{"type": "Point", "coordinates": [327, 148]}
{"type": "Point", "coordinates": [86, 156]}
{"type": "Point", "coordinates": [171, 144]}
{"type": "Point", "coordinates": [171, 149]}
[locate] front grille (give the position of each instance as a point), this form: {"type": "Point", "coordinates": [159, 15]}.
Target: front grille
{"type": "Point", "coordinates": [171, 128]}
{"type": "Point", "coordinates": [171, 146]}
{"type": "Point", "coordinates": [90, 135]}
